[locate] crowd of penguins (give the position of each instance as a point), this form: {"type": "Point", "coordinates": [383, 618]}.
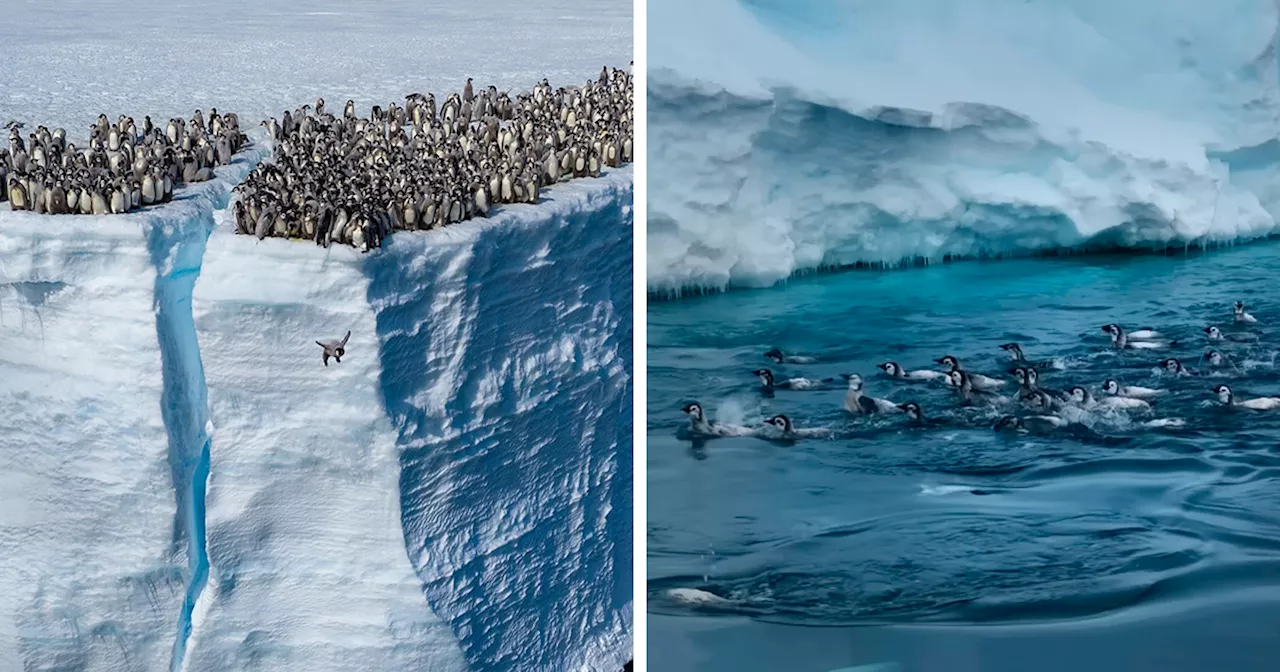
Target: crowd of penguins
{"type": "Point", "coordinates": [120, 169]}
{"type": "Point", "coordinates": [341, 178]}
{"type": "Point", "coordinates": [1041, 409]}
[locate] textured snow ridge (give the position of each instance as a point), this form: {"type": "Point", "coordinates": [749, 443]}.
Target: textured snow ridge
{"type": "Point", "coordinates": [516, 443]}
{"type": "Point", "coordinates": [100, 443]}
{"type": "Point", "coordinates": [875, 133]}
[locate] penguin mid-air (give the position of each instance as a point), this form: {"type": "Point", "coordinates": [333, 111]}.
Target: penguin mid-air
{"type": "Point", "coordinates": [334, 349]}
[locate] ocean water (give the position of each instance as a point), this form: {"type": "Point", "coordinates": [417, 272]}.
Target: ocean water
{"type": "Point", "coordinates": [887, 522]}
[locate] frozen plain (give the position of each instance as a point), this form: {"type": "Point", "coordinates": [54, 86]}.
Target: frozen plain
{"type": "Point", "coordinates": [347, 524]}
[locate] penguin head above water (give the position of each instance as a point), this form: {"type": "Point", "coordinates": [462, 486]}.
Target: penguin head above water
{"type": "Point", "coordinates": [1014, 350]}
{"type": "Point", "coordinates": [855, 381]}
{"type": "Point", "coordinates": [1020, 375]}
{"type": "Point", "coordinates": [912, 409]}
{"type": "Point", "coordinates": [782, 422]}
{"type": "Point", "coordinates": [1112, 329]}
{"type": "Point", "coordinates": [1214, 333]}
{"type": "Point", "coordinates": [950, 362]}
{"type": "Point", "coordinates": [1079, 395]}
{"type": "Point", "coordinates": [1111, 386]}
{"type": "Point", "coordinates": [1033, 377]}
{"type": "Point", "coordinates": [956, 378]}
{"type": "Point", "coordinates": [1214, 358]}
{"type": "Point", "coordinates": [1224, 394]}
{"type": "Point", "coordinates": [694, 411]}
{"type": "Point", "coordinates": [765, 376]}
{"type": "Point", "coordinates": [891, 368]}
{"type": "Point", "coordinates": [1239, 307]}
{"type": "Point", "coordinates": [1172, 365]}
{"type": "Point", "coordinates": [774, 354]}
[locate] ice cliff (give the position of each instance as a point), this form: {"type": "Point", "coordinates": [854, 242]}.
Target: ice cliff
{"type": "Point", "coordinates": [788, 136]}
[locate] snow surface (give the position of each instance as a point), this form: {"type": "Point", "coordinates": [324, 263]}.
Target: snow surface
{"type": "Point", "coordinates": [790, 136]}
{"type": "Point", "coordinates": [183, 485]}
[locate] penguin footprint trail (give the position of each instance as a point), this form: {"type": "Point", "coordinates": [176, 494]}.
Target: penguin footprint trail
{"type": "Point", "coordinates": [418, 166]}
{"type": "Point", "coordinates": [1032, 407]}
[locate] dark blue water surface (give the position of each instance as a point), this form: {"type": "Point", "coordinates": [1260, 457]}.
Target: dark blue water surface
{"type": "Point", "coordinates": [893, 523]}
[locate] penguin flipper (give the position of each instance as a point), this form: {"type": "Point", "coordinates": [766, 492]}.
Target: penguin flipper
{"type": "Point", "coordinates": [322, 345]}
{"type": "Point", "coordinates": [345, 338]}
{"type": "Point", "coordinates": [868, 404]}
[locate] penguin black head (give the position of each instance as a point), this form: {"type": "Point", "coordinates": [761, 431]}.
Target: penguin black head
{"type": "Point", "coordinates": [693, 410]}
{"type": "Point", "coordinates": [765, 376]}
{"type": "Point", "coordinates": [1020, 374]}
{"type": "Point", "coordinates": [949, 361]}
{"type": "Point", "coordinates": [1224, 393]}
{"type": "Point", "coordinates": [1213, 332]}
{"type": "Point", "coordinates": [1113, 329]}
{"type": "Point", "coordinates": [1215, 358]}
{"type": "Point", "coordinates": [912, 409]}
{"type": "Point", "coordinates": [1007, 423]}
{"type": "Point", "coordinates": [1111, 386]}
{"type": "Point", "coordinates": [1079, 394]}
{"type": "Point", "coordinates": [1239, 306]}
{"type": "Point", "coordinates": [855, 380]}
{"type": "Point", "coordinates": [1032, 376]}
{"type": "Point", "coordinates": [782, 422]}
{"type": "Point", "coordinates": [890, 368]}
{"type": "Point", "coordinates": [1171, 364]}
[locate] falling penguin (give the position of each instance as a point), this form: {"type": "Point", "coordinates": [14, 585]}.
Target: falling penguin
{"type": "Point", "coordinates": [335, 349]}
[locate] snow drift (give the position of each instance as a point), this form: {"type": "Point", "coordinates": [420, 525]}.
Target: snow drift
{"type": "Point", "coordinates": [186, 487]}
{"type": "Point", "coordinates": [795, 136]}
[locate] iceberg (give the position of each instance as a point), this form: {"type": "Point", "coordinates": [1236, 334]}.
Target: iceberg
{"type": "Point", "coordinates": [185, 486]}
{"type": "Point", "coordinates": [800, 136]}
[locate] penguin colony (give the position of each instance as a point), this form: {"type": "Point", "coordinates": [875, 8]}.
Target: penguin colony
{"type": "Point", "coordinates": [354, 180]}
{"type": "Point", "coordinates": [1036, 409]}
{"type": "Point", "coordinates": [122, 168]}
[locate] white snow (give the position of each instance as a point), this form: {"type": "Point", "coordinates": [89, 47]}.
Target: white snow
{"type": "Point", "coordinates": [135, 355]}
{"type": "Point", "coordinates": [791, 137]}
{"type": "Point", "coordinates": [309, 570]}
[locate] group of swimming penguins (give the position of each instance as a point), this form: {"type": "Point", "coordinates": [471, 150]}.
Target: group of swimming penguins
{"type": "Point", "coordinates": [1042, 409]}
{"type": "Point", "coordinates": [121, 169]}
{"type": "Point", "coordinates": [354, 180]}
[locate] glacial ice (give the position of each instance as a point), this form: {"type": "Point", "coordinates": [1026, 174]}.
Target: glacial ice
{"type": "Point", "coordinates": [787, 136]}
{"type": "Point", "coordinates": [140, 353]}
{"type": "Point", "coordinates": [480, 420]}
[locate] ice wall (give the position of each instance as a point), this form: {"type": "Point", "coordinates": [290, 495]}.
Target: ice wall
{"type": "Point", "coordinates": [516, 443]}
{"type": "Point", "coordinates": [184, 486]}
{"type": "Point", "coordinates": [795, 136]}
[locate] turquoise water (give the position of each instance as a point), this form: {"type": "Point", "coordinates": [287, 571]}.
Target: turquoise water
{"type": "Point", "coordinates": [889, 522]}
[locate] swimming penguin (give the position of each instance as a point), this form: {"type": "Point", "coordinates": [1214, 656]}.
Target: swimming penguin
{"type": "Point", "coordinates": [1085, 400]}
{"type": "Point", "coordinates": [1216, 334]}
{"type": "Point", "coordinates": [1030, 423]}
{"type": "Point", "coordinates": [916, 415]}
{"type": "Point", "coordinates": [895, 371]}
{"type": "Point", "coordinates": [1259, 404]}
{"type": "Point", "coordinates": [699, 424]}
{"type": "Point", "coordinates": [963, 385]}
{"type": "Point", "coordinates": [779, 358]}
{"type": "Point", "coordinates": [1243, 317]}
{"type": "Point", "coordinates": [334, 349]}
{"type": "Point", "coordinates": [1019, 359]}
{"type": "Point", "coordinates": [697, 419]}
{"type": "Point", "coordinates": [1141, 339]}
{"type": "Point", "coordinates": [980, 382]}
{"type": "Point", "coordinates": [768, 382]}
{"type": "Point", "coordinates": [1175, 367]}
{"type": "Point", "coordinates": [787, 431]}
{"type": "Point", "coordinates": [857, 402]}
{"type": "Point", "coordinates": [1217, 360]}
{"type": "Point", "coordinates": [1113, 387]}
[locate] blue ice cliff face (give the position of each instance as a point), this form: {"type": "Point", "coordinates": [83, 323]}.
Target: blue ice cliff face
{"type": "Point", "coordinates": [798, 136]}
{"type": "Point", "coordinates": [185, 487]}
